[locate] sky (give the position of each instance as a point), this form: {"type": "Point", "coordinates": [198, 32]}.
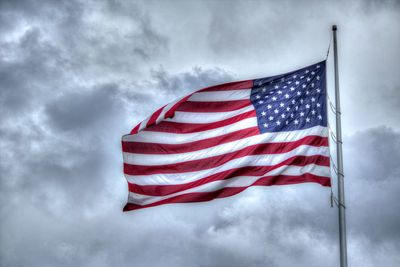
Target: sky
{"type": "Point", "coordinates": [77, 75]}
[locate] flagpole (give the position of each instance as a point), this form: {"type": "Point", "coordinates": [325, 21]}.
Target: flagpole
{"type": "Point", "coordinates": [340, 176]}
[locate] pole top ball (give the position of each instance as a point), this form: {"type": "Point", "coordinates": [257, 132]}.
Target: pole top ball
{"type": "Point", "coordinates": [334, 27]}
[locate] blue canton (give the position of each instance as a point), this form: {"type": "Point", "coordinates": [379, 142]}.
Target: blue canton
{"type": "Point", "coordinates": [291, 101]}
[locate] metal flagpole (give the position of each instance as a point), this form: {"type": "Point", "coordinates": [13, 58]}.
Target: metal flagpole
{"type": "Point", "coordinates": [342, 215]}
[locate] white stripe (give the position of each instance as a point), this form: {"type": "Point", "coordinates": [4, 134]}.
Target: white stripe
{"type": "Point", "coordinates": [221, 95]}
{"type": "Point", "coordinates": [143, 124]}
{"type": "Point", "coordinates": [164, 159]}
{"type": "Point", "coordinates": [207, 117]}
{"type": "Point", "coordinates": [240, 181]}
{"type": "Point", "coordinates": [176, 138]}
{"type": "Point", "coordinates": [256, 160]}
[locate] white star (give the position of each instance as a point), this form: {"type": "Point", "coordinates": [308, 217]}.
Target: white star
{"type": "Point", "coordinates": [307, 71]}
{"type": "Point", "coordinates": [301, 101]}
{"type": "Point", "coordinates": [283, 79]}
{"type": "Point", "coordinates": [301, 114]}
{"type": "Point", "coordinates": [318, 90]}
{"type": "Point", "coordinates": [296, 108]}
{"type": "Point", "coordinates": [279, 92]}
{"type": "Point", "coordinates": [317, 66]}
{"type": "Point", "coordinates": [264, 89]}
{"type": "Point", "coordinates": [285, 86]}
{"type": "Point", "coordinates": [312, 99]}
{"type": "Point", "coordinates": [266, 96]}
{"type": "Point", "coordinates": [320, 117]}
{"type": "Point", "coordinates": [318, 105]}
{"type": "Point", "coordinates": [289, 82]}
{"type": "Point", "coordinates": [312, 85]}
{"type": "Point", "coordinates": [298, 93]}
{"type": "Point", "coordinates": [286, 96]}
{"type": "Point", "coordinates": [312, 73]}
{"type": "Point", "coordinates": [308, 79]}
{"type": "Point", "coordinates": [269, 106]}
{"type": "Point", "coordinates": [307, 119]}
{"type": "Point", "coordinates": [292, 88]}
{"type": "Point", "coordinates": [281, 104]}
{"type": "Point", "coordinates": [307, 92]}
{"type": "Point", "coordinates": [283, 116]}
{"type": "Point", "coordinates": [304, 86]}
{"type": "Point", "coordinates": [274, 98]}
{"type": "Point", "coordinates": [278, 122]}
{"type": "Point", "coordinates": [265, 125]}
{"type": "Point", "coordinates": [263, 113]}
{"type": "Point", "coordinates": [276, 86]}
{"type": "Point", "coordinates": [276, 111]}
{"type": "Point", "coordinates": [287, 122]}
{"type": "Point", "coordinates": [296, 122]}
{"type": "Point", "coordinates": [287, 108]}
{"type": "Point", "coordinates": [301, 77]}
{"type": "Point", "coordinates": [294, 76]}
{"type": "Point", "coordinates": [257, 96]}
{"type": "Point", "coordinates": [317, 77]}
{"type": "Point", "coordinates": [271, 118]}
{"type": "Point", "coordinates": [260, 102]}
{"type": "Point", "coordinates": [293, 101]}
{"type": "Point", "coordinates": [291, 115]}
{"type": "Point", "coordinates": [307, 106]}
{"type": "Point", "coordinates": [297, 82]}
{"type": "Point", "coordinates": [313, 112]}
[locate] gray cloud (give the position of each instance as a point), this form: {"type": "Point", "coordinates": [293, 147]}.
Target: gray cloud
{"type": "Point", "coordinates": [82, 110]}
{"type": "Point", "coordinates": [375, 153]}
{"type": "Point", "coordinates": [76, 75]}
{"type": "Point", "coordinates": [188, 81]}
{"type": "Point", "coordinates": [27, 69]}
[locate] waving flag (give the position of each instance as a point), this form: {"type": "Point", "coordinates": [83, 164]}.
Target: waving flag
{"type": "Point", "coordinates": [223, 139]}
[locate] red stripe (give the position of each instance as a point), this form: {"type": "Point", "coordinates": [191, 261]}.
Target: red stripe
{"type": "Point", "coordinates": [154, 117]}
{"type": "Point", "coordinates": [171, 112]}
{"type": "Point", "coordinates": [136, 129]}
{"type": "Point", "coordinates": [152, 148]}
{"type": "Point", "coordinates": [191, 106]}
{"type": "Point", "coordinates": [215, 161]}
{"type": "Point", "coordinates": [179, 127]}
{"type": "Point", "coordinates": [229, 86]}
{"type": "Point", "coordinates": [230, 191]}
{"type": "Point", "coordinates": [221, 87]}
{"type": "Point", "coordinates": [163, 190]}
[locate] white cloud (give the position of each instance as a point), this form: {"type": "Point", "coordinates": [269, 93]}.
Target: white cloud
{"type": "Point", "coordinates": [77, 75]}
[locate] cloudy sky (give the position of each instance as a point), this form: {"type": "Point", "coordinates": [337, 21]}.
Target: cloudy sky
{"type": "Point", "coordinates": [77, 75]}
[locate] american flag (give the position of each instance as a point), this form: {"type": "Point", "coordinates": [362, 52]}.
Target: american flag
{"type": "Point", "coordinates": [218, 141]}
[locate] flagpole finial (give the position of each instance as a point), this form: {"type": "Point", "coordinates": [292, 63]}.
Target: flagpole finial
{"type": "Point", "coordinates": [334, 27]}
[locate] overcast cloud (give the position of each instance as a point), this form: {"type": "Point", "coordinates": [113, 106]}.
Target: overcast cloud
{"type": "Point", "coordinates": [77, 75]}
